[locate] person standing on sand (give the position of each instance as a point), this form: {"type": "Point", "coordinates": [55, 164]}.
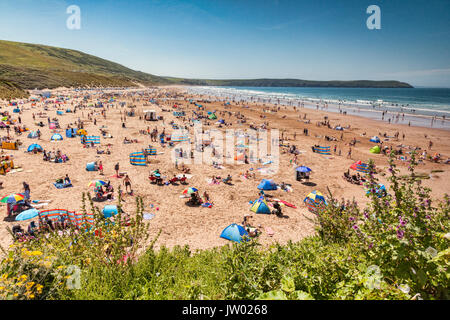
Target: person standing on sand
{"type": "Point", "coordinates": [127, 183]}
{"type": "Point", "coordinates": [430, 144]}
{"type": "Point", "coordinates": [349, 154]}
{"type": "Point", "coordinates": [26, 189]}
{"type": "Point", "coordinates": [100, 167]}
{"type": "Point", "coordinates": [116, 168]}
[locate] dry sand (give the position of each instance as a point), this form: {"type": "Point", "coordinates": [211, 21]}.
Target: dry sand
{"type": "Point", "coordinates": [200, 227]}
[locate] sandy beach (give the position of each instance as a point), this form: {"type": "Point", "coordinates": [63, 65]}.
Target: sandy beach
{"type": "Point", "coordinates": [200, 227]}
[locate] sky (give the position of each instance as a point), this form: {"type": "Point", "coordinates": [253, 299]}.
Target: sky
{"type": "Point", "coordinates": [245, 39]}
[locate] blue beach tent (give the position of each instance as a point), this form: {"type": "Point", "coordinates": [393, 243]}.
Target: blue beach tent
{"type": "Point", "coordinates": [267, 185]}
{"type": "Point", "coordinates": [234, 233]}
{"type": "Point", "coordinates": [34, 146]}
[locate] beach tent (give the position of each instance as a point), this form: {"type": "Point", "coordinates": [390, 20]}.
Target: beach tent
{"type": "Point", "coordinates": [315, 201]}
{"type": "Point", "coordinates": [138, 159]}
{"type": "Point", "coordinates": [32, 135]}
{"type": "Point", "coordinates": [339, 128]}
{"type": "Point", "coordinates": [110, 210]}
{"type": "Point", "coordinates": [56, 137]}
{"type": "Point", "coordinates": [81, 132]}
{"type": "Point", "coordinates": [46, 94]}
{"type": "Point", "coordinates": [16, 110]}
{"type": "Point", "coordinates": [375, 149]}
{"type": "Point", "coordinates": [179, 113]}
{"type": "Point", "coordinates": [260, 206]}
{"type": "Point", "coordinates": [234, 233]}
{"type": "Point", "coordinates": [375, 139]}
{"type": "Point", "coordinates": [379, 190]}
{"type": "Point", "coordinates": [212, 116]}
{"type": "Point", "coordinates": [267, 185]}
{"type": "Point", "coordinates": [91, 167]}
{"type": "Point", "coordinates": [71, 133]}
{"type": "Point", "coordinates": [322, 150]}
{"type": "Point", "coordinates": [52, 125]}
{"type": "Point", "coordinates": [34, 146]}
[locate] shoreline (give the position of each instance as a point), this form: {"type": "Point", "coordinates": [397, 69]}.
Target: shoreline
{"type": "Point", "coordinates": [364, 110]}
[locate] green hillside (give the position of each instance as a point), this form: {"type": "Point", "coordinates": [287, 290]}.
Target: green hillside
{"type": "Point", "coordinates": [31, 66]}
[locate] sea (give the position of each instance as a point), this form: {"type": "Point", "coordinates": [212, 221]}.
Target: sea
{"type": "Point", "coordinates": [426, 107]}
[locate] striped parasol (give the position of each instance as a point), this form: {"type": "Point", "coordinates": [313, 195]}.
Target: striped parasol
{"type": "Point", "coordinates": [190, 190]}
{"type": "Point", "coordinates": [12, 198]}
{"type": "Point", "coordinates": [96, 183]}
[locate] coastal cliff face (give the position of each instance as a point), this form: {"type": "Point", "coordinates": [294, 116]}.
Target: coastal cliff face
{"type": "Point", "coordinates": [30, 66]}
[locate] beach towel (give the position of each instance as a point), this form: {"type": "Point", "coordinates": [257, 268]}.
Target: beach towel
{"type": "Point", "coordinates": [269, 231]}
{"type": "Point", "coordinates": [148, 216]}
{"type": "Point", "coordinates": [207, 205]}
{"type": "Point", "coordinates": [62, 185]}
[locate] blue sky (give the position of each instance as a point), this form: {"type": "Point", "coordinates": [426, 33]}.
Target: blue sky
{"type": "Point", "coordinates": [220, 39]}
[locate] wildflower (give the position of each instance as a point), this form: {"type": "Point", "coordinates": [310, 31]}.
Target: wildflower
{"type": "Point", "coordinates": [355, 227]}
{"type": "Point", "coordinates": [404, 288]}
{"type": "Point", "coordinates": [431, 251]}
{"type": "Point", "coordinates": [400, 234]}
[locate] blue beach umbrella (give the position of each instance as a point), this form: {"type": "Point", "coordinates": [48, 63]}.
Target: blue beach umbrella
{"type": "Point", "coordinates": [303, 169]}
{"type": "Point", "coordinates": [27, 214]}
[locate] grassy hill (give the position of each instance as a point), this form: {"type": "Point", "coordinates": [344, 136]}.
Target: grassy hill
{"type": "Point", "coordinates": [26, 66]}
{"type": "Point", "coordinates": [31, 66]}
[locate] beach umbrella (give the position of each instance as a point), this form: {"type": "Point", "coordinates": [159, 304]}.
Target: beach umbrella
{"type": "Point", "coordinates": [375, 139]}
{"type": "Point", "coordinates": [12, 198]}
{"type": "Point", "coordinates": [190, 190]}
{"type": "Point", "coordinates": [96, 183]}
{"type": "Point", "coordinates": [27, 214]}
{"type": "Point", "coordinates": [303, 169]}
{"type": "Point", "coordinates": [234, 233]}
